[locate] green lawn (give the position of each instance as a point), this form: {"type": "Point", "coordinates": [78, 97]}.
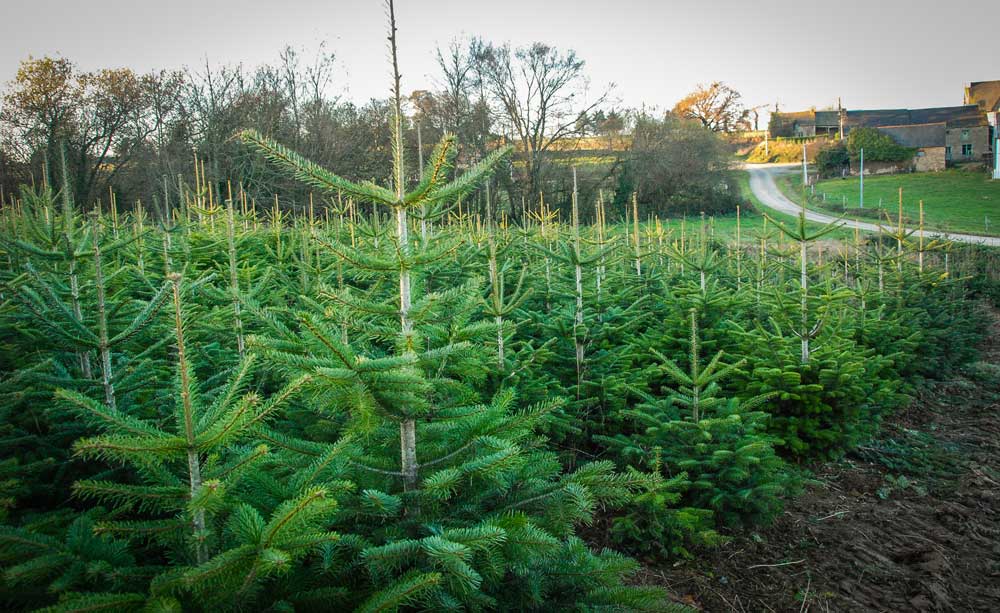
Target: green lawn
{"type": "Point", "coordinates": [953, 200]}
{"type": "Point", "coordinates": [723, 227]}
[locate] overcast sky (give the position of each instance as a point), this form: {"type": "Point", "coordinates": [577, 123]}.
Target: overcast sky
{"type": "Point", "coordinates": [873, 53]}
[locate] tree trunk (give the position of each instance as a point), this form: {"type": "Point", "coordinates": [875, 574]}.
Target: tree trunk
{"type": "Point", "coordinates": [804, 285]}
{"type": "Point", "coordinates": [102, 325]}
{"type": "Point", "coordinates": [194, 464]}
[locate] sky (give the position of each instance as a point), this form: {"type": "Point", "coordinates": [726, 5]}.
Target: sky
{"type": "Point", "coordinates": [802, 54]}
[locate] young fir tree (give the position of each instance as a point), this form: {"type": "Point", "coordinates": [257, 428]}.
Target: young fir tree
{"type": "Point", "coordinates": [184, 492]}
{"type": "Point", "coordinates": [468, 510]}
{"type": "Point", "coordinates": [71, 270]}
{"type": "Point", "coordinates": [719, 444]}
{"type": "Point", "coordinates": [82, 318]}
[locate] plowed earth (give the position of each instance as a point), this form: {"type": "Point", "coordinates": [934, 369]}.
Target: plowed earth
{"type": "Point", "coordinates": [908, 522]}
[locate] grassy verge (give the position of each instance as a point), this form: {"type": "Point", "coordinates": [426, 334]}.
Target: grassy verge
{"type": "Point", "coordinates": [954, 200]}
{"type": "Point", "coordinates": [723, 227]}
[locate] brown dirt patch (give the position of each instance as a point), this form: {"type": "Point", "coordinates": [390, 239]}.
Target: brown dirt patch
{"type": "Point", "coordinates": [909, 523]}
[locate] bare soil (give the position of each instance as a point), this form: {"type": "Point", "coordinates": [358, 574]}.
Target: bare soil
{"type": "Point", "coordinates": [909, 522]}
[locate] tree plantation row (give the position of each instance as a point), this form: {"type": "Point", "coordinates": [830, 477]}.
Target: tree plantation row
{"type": "Point", "coordinates": [386, 403]}
{"type": "Point", "coordinates": [418, 411]}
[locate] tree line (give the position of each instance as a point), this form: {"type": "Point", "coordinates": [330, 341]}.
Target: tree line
{"type": "Point", "coordinates": [129, 137]}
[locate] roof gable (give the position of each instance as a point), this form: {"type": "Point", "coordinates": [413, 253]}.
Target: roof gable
{"type": "Point", "coordinates": [985, 94]}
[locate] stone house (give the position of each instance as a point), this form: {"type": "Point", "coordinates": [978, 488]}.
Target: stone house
{"type": "Point", "coordinates": [970, 130]}
{"type": "Point", "coordinates": [805, 124]}
{"type": "Point", "coordinates": [927, 138]}
{"type": "Point", "coordinates": [795, 124]}
{"type": "Point", "coordinates": [985, 95]}
{"type": "Point", "coordinates": [966, 145]}
{"type": "Point", "coordinates": [968, 134]}
{"type": "Point", "coordinates": [967, 130]}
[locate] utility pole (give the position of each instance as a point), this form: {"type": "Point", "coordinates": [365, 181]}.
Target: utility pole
{"type": "Point", "coordinates": [862, 198]}
{"type": "Point", "coordinates": [840, 117]}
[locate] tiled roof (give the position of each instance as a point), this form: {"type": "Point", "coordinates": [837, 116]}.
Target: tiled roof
{"type": "Point", "coordinates": [799, 117]}
{"type": "Point", "coordinates": [917, 135]}
{"type": "Point", "coordinates": [796, 115]}
{"type": "Point", "coordinates": [875, 118]}
{"type": "Point", "coordinates": [828, 119]}
{"type": "Point", "coordinates": [955, 116]}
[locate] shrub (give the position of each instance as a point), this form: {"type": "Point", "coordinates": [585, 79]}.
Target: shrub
{"type": "Point", "coordinates": [878, 147]}
{"type": "Point", "coordinates": [656, 526]}
{"type": "Point", "coordinates": [823, 407]}
{"type": "Point", "coordinates": [717, 445]}
{"type": "Point", "coordinates": [830, 160]}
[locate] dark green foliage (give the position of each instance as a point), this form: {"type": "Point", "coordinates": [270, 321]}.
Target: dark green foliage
{"type": "Point", "coordinates": [832, 159]}
{"type": "Point", "coordinates": [878, 147]}
{"type": "Point", "coordinates": [822, 408]}
{"type": "Point", "coordinates": [382, 404]}
{"type": "Point", "coordinates": [657, 524]}
{"type": "Point", "coordinates": [303, 497]}
{"type": "Point", "coordinates": [715, 451]}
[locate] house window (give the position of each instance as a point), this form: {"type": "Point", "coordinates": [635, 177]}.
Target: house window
{"type": "Point", "coordinates": [967, 150]}
{"type": "Point", "coordinates": [965, 135]}
{"type": "Point", "coordinates": [947, 152]}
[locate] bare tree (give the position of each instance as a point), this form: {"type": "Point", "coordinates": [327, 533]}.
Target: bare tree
{"type": "Point", "coordinates": [102, 118]}
{"type": "Point", "coordinates": [717, 106]}
{"type": "Point", "coordinates": [457, 87]}
{"type": "Point", "coordinates": [538, 94]}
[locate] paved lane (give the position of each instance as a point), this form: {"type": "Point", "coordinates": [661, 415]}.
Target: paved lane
{"type": "Point", "coordinates": [763, 186]}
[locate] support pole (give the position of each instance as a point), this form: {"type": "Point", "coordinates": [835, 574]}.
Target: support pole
{"type": "Point", "coordinates": [805, 172]}
{"type": "Point", "coordinates": [862, 197]}
{"type": "Point", "coordinates": [996, 153]}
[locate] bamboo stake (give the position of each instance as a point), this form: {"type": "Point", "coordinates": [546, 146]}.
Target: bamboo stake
{"type": "Point", "coordinates": [635, 223]}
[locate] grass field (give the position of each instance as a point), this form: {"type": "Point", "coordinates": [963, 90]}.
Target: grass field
{"type": "Point", "coordinates": [953, 200]}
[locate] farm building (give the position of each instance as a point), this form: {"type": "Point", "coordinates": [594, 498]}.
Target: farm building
{"type": "Point", "coordinates": [967, 130]}
{"type": "Point", "coordinates": [829, 122]}
{"type": "Point", "coordinates": [796, 124]}
{"type": "Point", "coordinates": [967, 133]}
{"type": "Point", "coordinates": [927, 138]}
{"type": "Point", "coordinates": [985, 95]}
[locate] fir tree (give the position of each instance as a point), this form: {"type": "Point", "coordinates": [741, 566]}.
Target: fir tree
{"type": "Point", "coordinates": [483, 516]}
